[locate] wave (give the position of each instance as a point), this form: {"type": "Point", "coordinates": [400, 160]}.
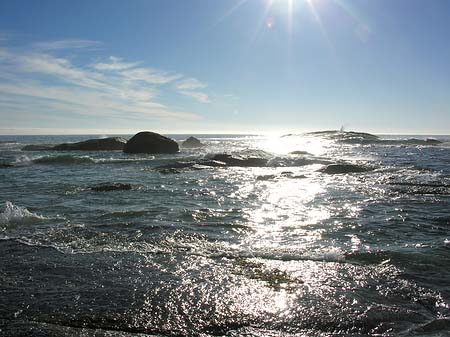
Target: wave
{"type": "Point", "coordinates": [18, 215]}
{"type": "Point", "coordinates": [64, 159]}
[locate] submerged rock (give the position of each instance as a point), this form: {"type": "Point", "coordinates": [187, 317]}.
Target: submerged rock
{"type": "Point", "coordinates": [150, 142]}
{"type": "Point", "coordinates": [106, 187]}
{"type": "Point", "coordinates": [344, 168]}
{"type": "Point", "coordinates": [101, 144]}
{"type": "Point", "coordinates": [432, 141]}
{"type": "Point", "coordinates": [300, 153]}
{"type": "Point", "coordinates": [38, 147]}
{"type": "Point", "coordinates": [231, 160]}
{"type": "Point", "coordinates": [6, 165]}
{"type": "Point", "coordinates": [176, 167]}
{"type": "Point", "coordinates": [192, 142]}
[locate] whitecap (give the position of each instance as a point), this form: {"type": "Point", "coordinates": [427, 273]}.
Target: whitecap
{"type": "Point", "coordinates": [18, 215]}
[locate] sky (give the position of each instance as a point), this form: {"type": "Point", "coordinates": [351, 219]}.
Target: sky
{"type": "Point", "coordinates": [224, 66]}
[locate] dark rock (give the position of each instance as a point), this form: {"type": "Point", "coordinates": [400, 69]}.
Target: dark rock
{"type": "Point", "coordinates": [231, 160]}
{"type": "Point", "coordinates": [106, 187]}
{"type": "Point", "coordinates": [176, 167]}
{"type": "Point", "coordinates": [344, 168]}
{"type": "Point", "coordinates": [169, 171]}
{"type": "Point", "coordinates": [266, 177]}
{"type": "Point", "coordinates": [300, 153]}
{"type": "Point", "coordinates": [101, 144]}
{"type": "Point", "coordinates": [192, 142]}
{"type": "Point", "coordinates": [6, 165]}
{"type": "Point", "coordinates": [432, 141]}
{"type": "Point", "coordinates": [150, 142]}
{"type": "Point", "coordinates": [212, 163]}
{"type": "Point", "coordinates": [38, 147]}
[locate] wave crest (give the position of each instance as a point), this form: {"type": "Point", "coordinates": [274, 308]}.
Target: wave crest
{"type": "Point", "coordinates": [18, 215]}
{"type": "Point", "coordinates": [64, 159]}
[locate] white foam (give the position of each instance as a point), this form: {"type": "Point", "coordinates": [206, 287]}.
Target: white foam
{"type": "Point", "coordinates": [17, 215]}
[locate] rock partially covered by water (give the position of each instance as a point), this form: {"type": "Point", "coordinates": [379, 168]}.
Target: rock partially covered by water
{"type": "Point", "coordinates": [344, 168]}
{"type": "Point", "coordinates": [192, 142]}
{"type": "Point", "coordinates": [106, 187]}
{"type": "Point", "coordinates": [432, 141]}
{"type": "Point", "coordinates": [150, 142]}
{"type": "Point", "coordinates": [38, 147]}
{"type": "Point", "coordinates": [6, 165]}
{"type": "Point", "coordinates": [101, 144]}
{"type": "Point", "coordinates": [242, 161]}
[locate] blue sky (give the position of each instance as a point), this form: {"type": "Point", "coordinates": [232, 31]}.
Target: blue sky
{"type": "Point", "coordinates": [222, 66]}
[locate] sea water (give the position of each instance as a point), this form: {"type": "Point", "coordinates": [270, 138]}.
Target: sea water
{"type": "Point", "coordinates": [284, 249]}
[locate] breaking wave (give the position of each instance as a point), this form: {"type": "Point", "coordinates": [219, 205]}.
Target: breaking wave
{"type": "Point", "coordinates": [64, 159]}
{"type": "Point", "coordinates": [18, 215]}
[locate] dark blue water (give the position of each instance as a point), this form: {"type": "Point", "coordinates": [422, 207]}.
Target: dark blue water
{"type": "Point", "coordinates": [284, 249]}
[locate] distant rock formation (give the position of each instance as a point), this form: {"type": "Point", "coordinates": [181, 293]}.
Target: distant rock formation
{"type": "Point", "coordinates": [150, 142]}
{"type": "Point", "coordinates": [192, 142]}
{"type": "Point", "coordinates": [38, 147]}
{"type": "Point", "coordinates": [101, 144]}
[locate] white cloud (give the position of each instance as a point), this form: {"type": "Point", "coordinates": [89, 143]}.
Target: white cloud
{"type": "Point", "coordinates": [190, 84]}
{"type": "Point", "coordinates": [199, 96]}
{"type": "Point", "coordinates": [66, 44]}
{"type": "Point", "coordinates": [115, 64]}
{"type": "Point", "coordinates": [109, 90]}
{"type": "Point", "coordinates": [149, 75]}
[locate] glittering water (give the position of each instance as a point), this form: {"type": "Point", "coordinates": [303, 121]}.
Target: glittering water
{"type": "Point", "coordinates": [279, 250]}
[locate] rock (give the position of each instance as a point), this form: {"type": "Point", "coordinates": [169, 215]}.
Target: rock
{"type": "Point", "coordinates": [150, 142]}
{"type": "Point", "coordinates": [106, 187]}
{"type": "Point", "coordinates": [38, 147]}
{"type": "Point", "coordinates": [192, 142]}
{"type": "Point", "coordinates": [169, 171]}
{"type": "Point", "coordinates": [176, 167]}
{"type": "Point", "coordinates": [6, 165]}
{"type": "Point", "coordinates": [231, 160]}
{"type": "Point", "coordinates": [344, 168]}
{"type": "Point", "coordinates": [432, 141]}
{"type": "Point", "coordinates": [300, 153]}
{"type": "Point", "coordinates": [266, 177]}
{"type": "Point", "coordinates": [101, 144]}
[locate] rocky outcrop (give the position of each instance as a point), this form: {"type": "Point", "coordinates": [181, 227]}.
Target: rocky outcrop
{"type": "Point", "coordinates": [241, 161]}
{"type": "Point", "coordinates": [38, 147]}
{"type": "Point", "coordinates": [150, 142]}
{"type": "Point", "coordinates": [218, 160]}
{"type": "Point", "coordinates": [107, 187]}
{"type": "Point", "coordinates": [344, 168]}
{"type": "Point", "coordinates": [101, 144]}
{"type": "Point", "coordinates": [192, 142]}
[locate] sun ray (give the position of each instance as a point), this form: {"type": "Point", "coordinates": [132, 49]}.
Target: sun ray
{"type": "Point", "coordinates": [316, 15]}
{"type": "Point", "coordinates": [231, 10]}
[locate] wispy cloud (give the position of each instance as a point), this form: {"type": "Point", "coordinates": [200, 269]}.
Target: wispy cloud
{"type": "Point", "coordinates": [113, 89]}
{"type": "Point", "coordinates": [199, 96]}
{"type": "Point", "coordinates": [115, 63]}
{"type": "Point", "coordinates": [190, 84]}
{"type": "Point", "coordinates": [189, 87]}
{"type": "Point", "coordinates": [66, 44]}
{"type": "Point", "coordinates": [150, 76]}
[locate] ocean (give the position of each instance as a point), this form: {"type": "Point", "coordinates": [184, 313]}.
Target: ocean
{"type": "Point", "coordinates": [336, 234]}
